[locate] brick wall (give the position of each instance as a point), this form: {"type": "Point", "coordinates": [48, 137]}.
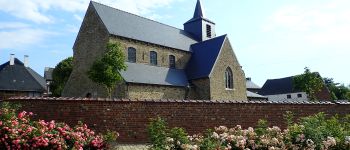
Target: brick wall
{"type": "Point", "coordinates": [130, 118]}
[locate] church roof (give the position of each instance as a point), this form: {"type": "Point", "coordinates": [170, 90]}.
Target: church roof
{"type": "Point", "coordinates": [124, 24]}
{"type": "Point", "coordinates": [146, 74]}
{"type": "Point", "coordinates": [204, 55]}
{"type": "Point", "coordinates": [198, 12]}
{"type": "Point", "coordinates": [278, 86]}
{"type": "Point", "coordinates": [17, 77]}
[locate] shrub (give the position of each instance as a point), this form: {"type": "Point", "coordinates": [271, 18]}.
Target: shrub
{"type": "Point", "coordinates": [157, 133]}
{"type": "Point", "coordinates": [313, 132]}
{"type": "Point", "coordinates": [20, 132]}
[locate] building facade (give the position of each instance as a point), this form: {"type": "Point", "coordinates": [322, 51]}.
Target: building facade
{"type": "Point", "coordinates": [283, 90]}
{"type": "Point", "coordinates": [163, 62]}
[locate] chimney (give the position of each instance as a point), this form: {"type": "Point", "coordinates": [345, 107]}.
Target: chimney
{"type": "Point", "coordinates": [249, 79]}
{"type": "Point", "coordinates": [25, 61]}
{"type": "Point", "coordinates": [12, 59]}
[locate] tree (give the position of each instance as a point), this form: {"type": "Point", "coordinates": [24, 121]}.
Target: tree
{"type": "Point", "coordinates": [309, 82]}
{"type": "Point", "coordinates": [338, 91]}
{"type": "Point", "coordinates": [106, 70]}
{"type": "Point", "coordinates": [60, 76]}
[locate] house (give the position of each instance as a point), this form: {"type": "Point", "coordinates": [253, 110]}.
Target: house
{"type": "Point", "coordinates": [163, 62]}
{"type": "Point", "coordinates": [48, 78]}
{"type": "Point", "coordinates": [283, 90]}
{"type": "Point", "coordinates": [18, 79]}
{"type": "Point", "coordinates": [252, 91]}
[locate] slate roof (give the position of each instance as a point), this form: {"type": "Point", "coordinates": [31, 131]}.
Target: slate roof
{"type": "Point", "coordinates": [254, 95]}
{"type": "Point", "coordinates": [251, 85]}
{"type": "Point", "coordinates": [146, 74]}
{"type": "Point", "coordinates": [19, 78]}
{"type": "Point", "coordinates": [204, 55]}
{"type": "Point", "coordinates": [278, 86]}
{"type": "Point", "coordinates": [124, 24]}
{"type": "Point", "coordinates": [199, 13]}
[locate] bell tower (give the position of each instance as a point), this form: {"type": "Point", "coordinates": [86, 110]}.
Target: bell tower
{"type": "Point", "coordinates": [200, 27]}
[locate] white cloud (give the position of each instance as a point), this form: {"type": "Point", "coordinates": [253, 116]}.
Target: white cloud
{"type": "Point", "coordinates": [36, 10]}
{"type": "Point", "coordinates": [12, 25]}
{"type": "Point", "coordinates": [21, 36]}
{"type": "Point", "coordinates": [319, 23]}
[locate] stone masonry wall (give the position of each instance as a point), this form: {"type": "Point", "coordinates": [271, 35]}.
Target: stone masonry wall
{"type": "Point", "coordinates": [227, 58]}
{"type": "Point", "coordinates": [141, 91]}
{"type": "Point", "coordinates": [89, 45]}
{"type": "Point", "coordinates": [200, 89]}
{"type": "Point", "coordinates": [143, 53]}
{"type": "Point", "coordinates": [131, 117]}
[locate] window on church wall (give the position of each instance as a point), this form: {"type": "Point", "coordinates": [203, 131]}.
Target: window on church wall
{"type": "Point", "coordinates": [153, 58]}
{"type": "Point", "coordinates": [172, 61]}
{"type": "Point", "coordinates": [131, 54]}
{"type": "Point", "coordinates": [208, 27]}
{"type": "Point", "coordinates": [228, 78]}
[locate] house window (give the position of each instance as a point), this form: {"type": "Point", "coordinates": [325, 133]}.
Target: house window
{"type": "Point", "coordinates": [153, 58]}
{"type": "Point", "coordinates": [171, 61]}
{"type": "Point", "coordinates": [289, 96]}
{"type": "Point", "coordinates": [228, 78]}
{"type": "Point", "coordinates": [299, 96]}
{"type": "Point", "coordinates": [132, 54]}
{"type": "Point", "coordinates": [208, 27]}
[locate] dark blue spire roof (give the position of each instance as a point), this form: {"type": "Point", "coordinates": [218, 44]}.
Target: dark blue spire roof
{"type": "Point", "coordinates": [199, 12]}
{"type": "Point", "coordinates": [204, 55]}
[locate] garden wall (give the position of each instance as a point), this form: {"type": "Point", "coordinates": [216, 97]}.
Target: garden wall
{"type": "Point", "coordinates": [130, 117]}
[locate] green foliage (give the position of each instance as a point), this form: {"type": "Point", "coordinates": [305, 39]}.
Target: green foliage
{"type": "Point", "coordinates": [106, 70]}
{"type": "Point", "coordinates": [60, 76]}
{"type": "Point", "coordinates": [318, 128]}
{"type": "Point", "coordinates": [9, 110]}
{"type": "Point", "coordinates": [310, 82]}
{"type": "Point", "coordinates": [289, 116]}
{"type": "Point", "coordinates": [110, 136]}
{"type": "Point", "coordinates": [178, 136]}
{"type": "Point", "coordinates": [209, 142]}
{"type": "Point", "coordinates": [338, 91]}
{"type": "Point", "coordinates": [261, 126]}
{"type": "Point", "coordinates": [157, 131]}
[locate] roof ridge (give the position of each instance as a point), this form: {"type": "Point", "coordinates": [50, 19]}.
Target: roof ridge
{"type": "Point", "coordinates": [139, 16]}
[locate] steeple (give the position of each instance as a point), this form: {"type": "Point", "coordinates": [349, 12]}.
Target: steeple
{"type": "Point", "coordinates": [201, 28]}
{"type": "Point", "coordinates": [199, 12]}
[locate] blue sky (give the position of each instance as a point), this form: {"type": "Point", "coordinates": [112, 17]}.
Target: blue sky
{"type": "Point", "coordinates": [271, 38]}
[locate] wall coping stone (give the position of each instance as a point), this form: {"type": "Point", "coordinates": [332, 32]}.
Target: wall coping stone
{"type": "Point", "coordinates": [178, 101]}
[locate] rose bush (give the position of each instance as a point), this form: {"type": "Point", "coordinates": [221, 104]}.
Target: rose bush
{"type": "Point", "coordinates": [20, 132]}
{"type": "Point", "coordinates": [313, 132]}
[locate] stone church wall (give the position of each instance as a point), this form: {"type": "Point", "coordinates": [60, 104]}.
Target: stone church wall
{"type": "Point", "coordinates": [141, 91]}
{"type": "Point", "coordinates": [89, 45]}
{"type": "Point", "coordinates": [143, 52]}
{"type": "Point", "coordinates": [217, 82]}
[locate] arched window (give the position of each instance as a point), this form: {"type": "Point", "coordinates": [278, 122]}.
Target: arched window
{"type": "Point", "coordinates": [228, 78]}
{"type": "Point", "coordinates": [171, 61]}
{"type": "Point", "coordinates": [132, 54]}
{"type": "Point", "coordinates": [153, 58]}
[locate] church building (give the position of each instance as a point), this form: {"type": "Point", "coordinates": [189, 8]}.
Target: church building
{"type": "Point", "coordinates": [163, 62]}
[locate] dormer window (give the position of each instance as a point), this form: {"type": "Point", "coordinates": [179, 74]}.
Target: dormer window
{"type": "Point", "coordinates": [208, 27]}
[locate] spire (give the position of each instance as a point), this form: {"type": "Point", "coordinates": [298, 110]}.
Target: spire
{"type": "Point", "coordinates": [199, 12]}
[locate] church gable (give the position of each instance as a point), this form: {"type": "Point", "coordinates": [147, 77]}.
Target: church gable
{"type": "Point", "coordinates": [227, 79]}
